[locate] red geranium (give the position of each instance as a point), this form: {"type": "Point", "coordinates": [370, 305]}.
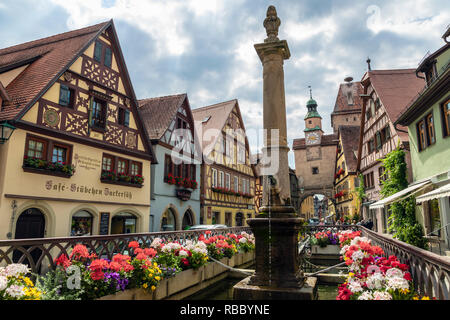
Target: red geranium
{"type": "Point", "coordinates": [63, 260]}
{"type": "Point", "coordinates": [133, 244]}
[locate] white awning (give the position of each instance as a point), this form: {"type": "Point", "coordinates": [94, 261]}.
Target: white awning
{"type": "Point", "coordinates": [330, 215]}
{"type": "Point", "coordinates": [396, 196]}
{"type": "Point", "coordinates": [441, 192]}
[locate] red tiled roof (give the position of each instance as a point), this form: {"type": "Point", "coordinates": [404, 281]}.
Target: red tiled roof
{"type": "Point", "coordinates": [48, 57]}
{"type": "Point", "coordinates": [157, 113]}
{"type": "Point", "coordinates": [326, 140]}
{"type": "Point", "coordinates": [395, 88]}
{"type": "Point", "coordinates": [218, 115]}
{"type": "Point", "coordinates": [350, 143]}
{"type": "Point", "coordinates": [341, 104]}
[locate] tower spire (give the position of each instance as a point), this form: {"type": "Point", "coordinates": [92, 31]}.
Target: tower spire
{"type": "Point", "coordinates": [368, 64]}
{"type": "Point", "coordinates": [310, 92]}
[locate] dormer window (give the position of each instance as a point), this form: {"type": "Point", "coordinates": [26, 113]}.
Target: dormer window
{"type": "Point", "coordinates": [66, 96]}
{"type": "Point", "coordinates": [98, 51]}
{"type": "Point", "coordinates": [103, 54]}
{"type": "Point", "coordinates": [349, 98]}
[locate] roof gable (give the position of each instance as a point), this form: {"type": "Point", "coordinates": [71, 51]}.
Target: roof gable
{"type": "Point", "coordinates": [48, 58]}
{"type": "Point", "coordinates": [158, 113]}
{"type": "Point", "coordinates": [349, 138]}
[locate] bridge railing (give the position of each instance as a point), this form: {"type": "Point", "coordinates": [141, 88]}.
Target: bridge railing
{"type": "Point", "coordinates": [39, 254]}
{"type": "Point", "coordinates": [430, 271]}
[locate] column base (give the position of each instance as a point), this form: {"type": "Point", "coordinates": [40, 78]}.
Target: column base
{"type": "Point", "coordinates": [246, 291]}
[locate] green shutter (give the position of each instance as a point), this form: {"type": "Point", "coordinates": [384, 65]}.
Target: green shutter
{"type": "Point", "coordinates": [108, 57]}
{"type": "Point", "coordinates": [126, 118]}
{"type": "Point", "coordinates": [98, 51]}
{"type": "Point", "coordinates": [64, 95]}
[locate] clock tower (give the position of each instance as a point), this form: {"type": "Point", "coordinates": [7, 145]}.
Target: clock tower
{"type": "Point", "coordinates": [313, 123]}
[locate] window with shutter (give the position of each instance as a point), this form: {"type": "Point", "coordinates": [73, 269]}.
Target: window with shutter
{"type": "Point", "coordinates": [108, 57]}
{"type": "Point", "coordinates": [378, 140]}
{"type": "Point", "coordinates": [98, 51]}
{"type": "Point", "coordinates": [430, 129]}
{"type": "Point", "coordinates": [66, 96]}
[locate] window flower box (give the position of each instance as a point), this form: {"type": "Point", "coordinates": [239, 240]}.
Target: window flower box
{"type": "Point", "coordinates": [181, 182]}
{"type": "Point", "coordinates": [121, 179]}
{"type": "Point", "coordinates": [35, 165]}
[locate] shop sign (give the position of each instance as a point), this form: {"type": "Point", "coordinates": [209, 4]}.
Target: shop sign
{"type": "Point", "coordinates": [183, 194]}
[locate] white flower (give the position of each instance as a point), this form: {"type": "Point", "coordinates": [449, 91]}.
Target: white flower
{"type": "Point", "coordinates": [394, 273]}
{"type": "Point", "coordinates": [15, 291]}
{"type": "Point", "coordinates": [355, 286]}
{"type": "Point", "coordinates": [382, 295]}
{"type": "Point", "coordinates": [242, 240]}
{"type": "Point", "coordinates": [344, 249]}
{"type": "Point", "coordinates": [3, 283]}
{"type": "Point", "coordinates": [357, 255]}
{"type": "Point", "coordinates": [397, 283]}
{"type": "Point", "coordinates": [156, 243]}
{"type": "Point", "coordinates": [366, 295]}
{"type": "Point", "coordinates": [16, 269]}
{"type": "Point", "coordinates": [375, 281]}
{"type": "Point", "coordinates": [183, 253]}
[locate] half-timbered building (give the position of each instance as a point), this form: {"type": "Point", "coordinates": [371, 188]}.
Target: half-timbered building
{"type": "Point", "coordinates": [227, 176]}
{"type": "Point", "coordinates": [78, 162]}
{"type": "Point", "coordinates": [345, 177]}
{"type": "Point", "coordinates": [175, 187]}
{"type": "Point", "coordinates": [385, 95]}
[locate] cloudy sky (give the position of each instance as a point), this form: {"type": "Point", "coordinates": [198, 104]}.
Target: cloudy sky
{"type": "Point", "coordinates": [205, 47]}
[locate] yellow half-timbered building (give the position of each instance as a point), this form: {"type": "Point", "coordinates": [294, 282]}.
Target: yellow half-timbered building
{"type": "Point", "coordinates": [78, 161]}
{"type": "Point", "coordinates": [227, 175]}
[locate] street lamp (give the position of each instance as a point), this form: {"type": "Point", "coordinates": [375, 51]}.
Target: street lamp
{"type": "Point", "coordinates": [6, 131]}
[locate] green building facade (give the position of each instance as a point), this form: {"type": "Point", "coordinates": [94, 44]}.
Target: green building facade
{"type": "Point", "coordinates": [428, 122]}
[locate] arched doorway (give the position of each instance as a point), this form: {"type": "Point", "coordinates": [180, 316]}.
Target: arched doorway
{"type": "Point", "coordinates": [168, 220]}
{"type": "Point", "coordinates": [188, 220]}
{"type": "Point", "coordinates": [30, 224]}
{"type": "Point", "coordinates": [81, 224]}
{"type": "Point", "coordinates": [123, 222]}
{"type": "Point", "coordinates": [239, 219]}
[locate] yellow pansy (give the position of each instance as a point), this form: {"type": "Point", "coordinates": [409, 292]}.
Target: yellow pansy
{"type": "Point", "coordinates": [153, 288]}
{"type": "Point", "coordinates": [145, 285]}
{"type": "Point", "coordinates": [157, 278]}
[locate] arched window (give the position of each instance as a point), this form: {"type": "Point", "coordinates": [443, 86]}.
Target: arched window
{"type": "Point", "coordinates": [168, 221]}
{"type": "Point", "coordinates": [188, 220]}
{"type": "Point", "coordinates": [123, 222]}
{"type": "Point", "coordinates": [81, 224]}
{"type": "Point", "coordinates": [239, 219]}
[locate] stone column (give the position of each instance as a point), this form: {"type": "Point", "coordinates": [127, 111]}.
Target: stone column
{"type": "Point", "coordinates": [275, 152]}
{"type": "Point", "coordinates": [277, 274]}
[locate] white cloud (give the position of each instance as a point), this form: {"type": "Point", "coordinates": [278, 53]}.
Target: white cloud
{"type": "Point", "coordinates": [416, 19]}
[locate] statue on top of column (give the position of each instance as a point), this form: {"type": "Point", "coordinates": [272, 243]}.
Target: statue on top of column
{"type": "Point", "coordinates": [272, 23]}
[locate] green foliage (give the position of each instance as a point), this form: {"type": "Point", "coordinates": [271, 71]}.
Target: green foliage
{"type": "Point", "coordinates": [360, 192]}
{"type": "Point", "coordinates": [54, 286]}
{"type": "Point", "coordinates": [402, 221]}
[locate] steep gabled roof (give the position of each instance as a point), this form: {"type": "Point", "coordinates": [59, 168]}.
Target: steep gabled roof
{"type": "Point", "coordinates": [212, 117]}
{"type": "Point", "coordinates": [157, 113]}
{"type": "Point", "coordinates": [47, 59]}
{"type": "Point", "coordinates": [350, 142]}
{"type": "Point", "coordinates": [395, 88]}
{"type": "Point", "coordinates": [342, 103]}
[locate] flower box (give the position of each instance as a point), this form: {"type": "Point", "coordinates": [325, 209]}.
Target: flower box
{"type": "Point", "coordinates": [329, 249]}
{"type": "Point", "coordinates": [183, 280]}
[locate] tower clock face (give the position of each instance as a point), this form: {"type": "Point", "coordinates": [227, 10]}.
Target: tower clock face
{"type": "Point", "coordinates": [312, 138]}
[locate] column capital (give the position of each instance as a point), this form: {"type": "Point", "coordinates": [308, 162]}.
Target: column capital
{"type": "Point", "coordinates": [275, 47]}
